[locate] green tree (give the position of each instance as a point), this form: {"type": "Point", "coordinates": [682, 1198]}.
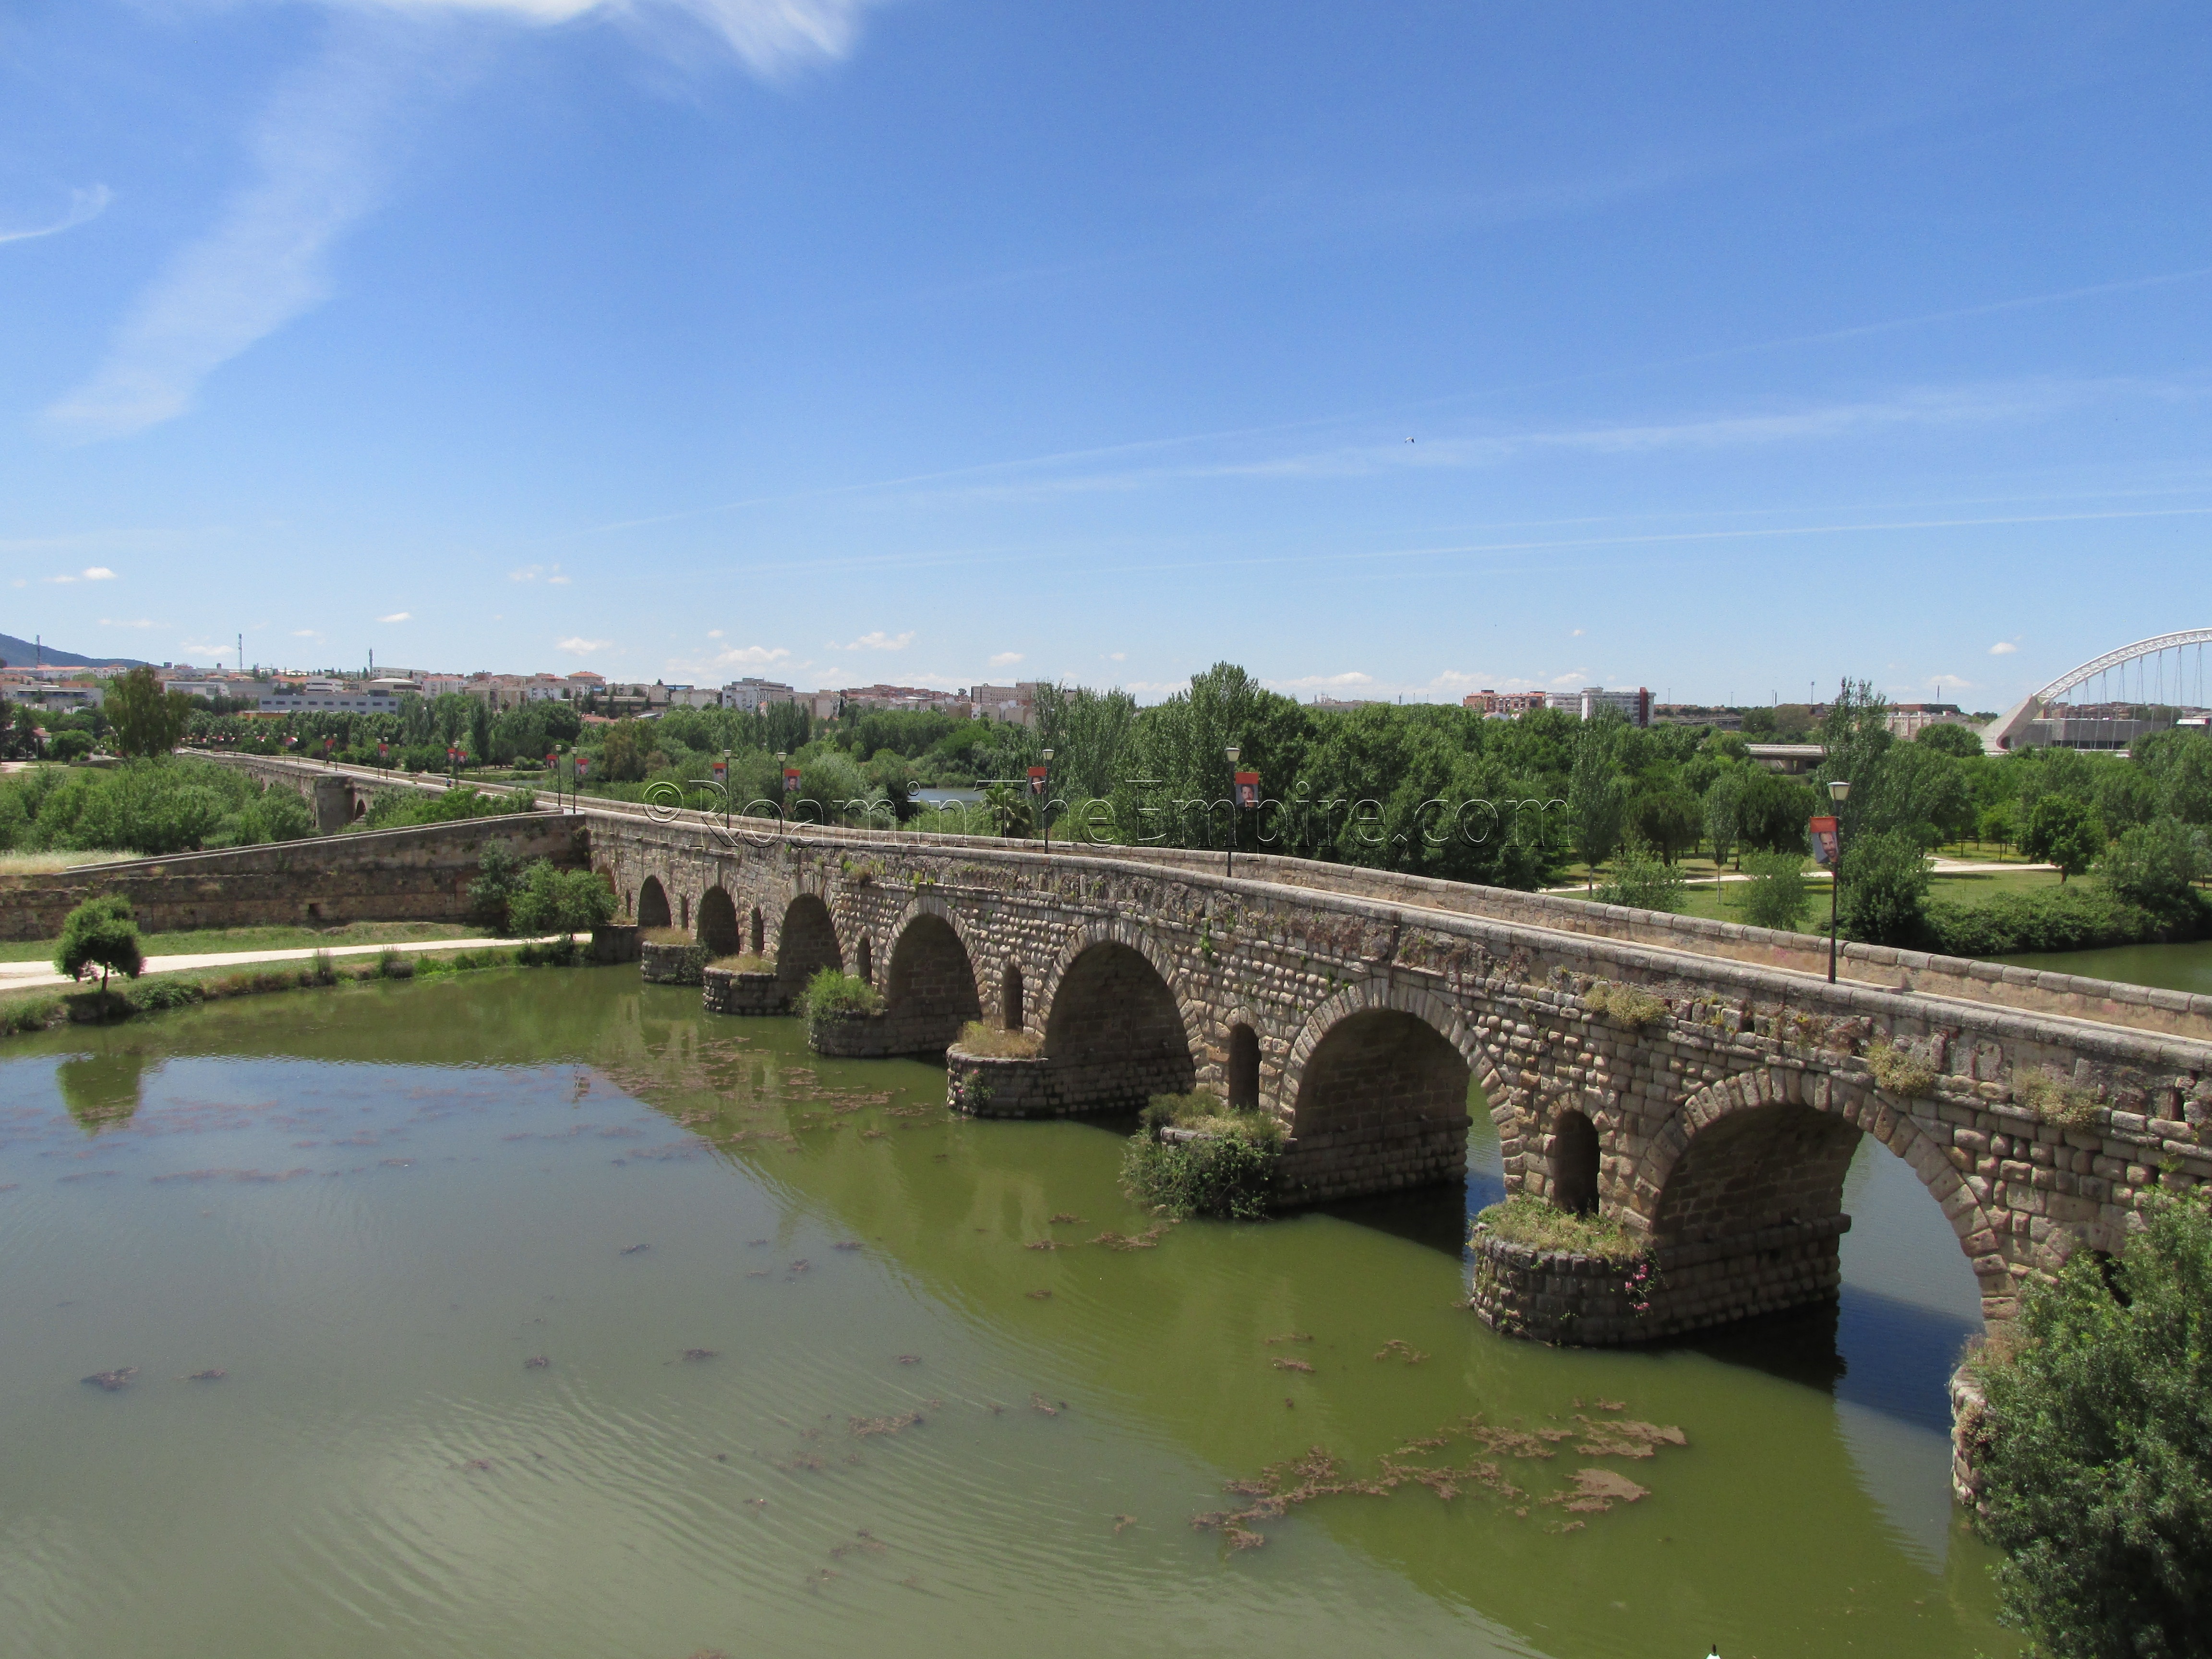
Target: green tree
{"type": "Point", "coordinates": [1006, 806]}
{"type": "Point", "coordinates": [565, 901]}
{"type": "Point", "coordinates": [1723, 804]}
{"type": "Point", "coordinates": [1775, 896]}
{"type": "Point", "coordinates": [623, 752]}
{"type": "Point", "coordinates": [1998, 822]}
{"type": "Point", "coordinates": [1951, 738]}
{"type": "Point", "coordinates": [2153, 865]}
{"type": "Point", "coordinates": [499, 872]}
{"type": "Point", "coordinates": [1642, 881]}
{"type": "Point", "coordinates": [480, 731]}
{"type": "Point", "coordinates": [100, 933]}
{"type": "Point", "coordinates": [1597, 794]}
{"type": "Point", "coordinates": [2064, 831]}
{"type": "Point", "coordinates": [2181, 763]}
{"type": "Point", "coordinates": [1774, 811]}
{"type": "Point", "coordinates": [1885, 891]}
{"type": "Point", "coordinates": [1666, 818]}
{"type": "Point", "coordinates": [148, 719]}
{"type": "Point", "coordinates": [2098, 1456]}
{"type": "Point", "coordinates": [1918, 791]}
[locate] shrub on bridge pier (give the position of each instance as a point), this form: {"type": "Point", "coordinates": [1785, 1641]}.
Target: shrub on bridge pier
{"type": "Point", "coordinates": [1195, 1155]}
{"type": "Point", "coordinates": [833, 995]}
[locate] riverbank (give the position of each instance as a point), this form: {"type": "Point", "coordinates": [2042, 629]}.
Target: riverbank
{"type": "Point", "coordinates": [39, 1008]}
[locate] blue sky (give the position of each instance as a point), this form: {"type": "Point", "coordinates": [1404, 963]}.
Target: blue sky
{"type": "Point", "coordinates": [1392, 350]}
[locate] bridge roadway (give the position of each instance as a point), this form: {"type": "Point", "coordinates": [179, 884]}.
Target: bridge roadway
{"type": "Point", "coordinates": [1699, 1082]}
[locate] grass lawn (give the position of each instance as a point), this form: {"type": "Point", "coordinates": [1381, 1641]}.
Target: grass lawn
{"type": "Point", "coordinates": [1725, 903]}
{"type": "Point", "coordinates": [207, 941]}
{"type": "Point", "coordinates": [47, 864]}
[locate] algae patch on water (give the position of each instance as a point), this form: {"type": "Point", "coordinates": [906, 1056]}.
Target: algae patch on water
{"type": "Point", "coordinates": [1280, 1487]}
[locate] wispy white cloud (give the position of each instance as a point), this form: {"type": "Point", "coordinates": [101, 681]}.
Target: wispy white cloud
{"type": "Point", "coordinates": [322, 153]}
{"type": "Point", "coordinates": [98, 572]}
{"type": "Point", "coordinates": [2004, 648]}
{"type": "Point", "coordinates": [769, 37]}
{"type": "Point", "coordinates": [877, 641]}
{"type": "Point", "coordinates": [576, 645]}
{"type": "Point", "coordinates": [1354, 680]}
{"type": "Point", "coordinates": [85, 205]}
{"type": "Point", "coordinates": [214, 653]}
{"type": "Point", "coordinates": [545, 573]}
{"type": "Point", "coordinates": [1117, 656]}
{"type": "Point", "coordinates": [397, 616]}
{"type": "Point", "coordinates": [1908, 407]}
{"type": "Point", "coordinates": [1006, 659]}
{"type": "Point", "coordinates": [1950, 683]}
{"type": "Point", "coordinates": [320, 160]}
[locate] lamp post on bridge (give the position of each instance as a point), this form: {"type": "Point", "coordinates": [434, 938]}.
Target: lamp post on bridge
{"type": "Point", "coordinates": [1828, 849]}
{"type": "Point", "coordinates": [1040, 786]}
{"type": "Point", "coordinates": [1243, 796]}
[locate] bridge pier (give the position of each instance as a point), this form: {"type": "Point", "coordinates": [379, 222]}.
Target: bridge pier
{"type": "Point", "coordinates": [1574, 1300]}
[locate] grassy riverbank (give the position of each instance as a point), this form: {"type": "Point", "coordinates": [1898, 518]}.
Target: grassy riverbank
{"type": "Point", "coordinates": [224, 941]}
{"type": "Point", "coordinates": [43, 1010]}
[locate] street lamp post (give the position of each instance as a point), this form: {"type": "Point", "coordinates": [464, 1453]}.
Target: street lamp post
{"type": "Point", "coordinates": [1044, 799]}
{"type": "Point", "coordinates": [1232, 752]}
{"type": "Point", "coordinates": [1839, 791]}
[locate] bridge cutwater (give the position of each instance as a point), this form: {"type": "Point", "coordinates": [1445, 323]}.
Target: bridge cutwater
{"type": "Point", "coordinates": [1699, 1081]}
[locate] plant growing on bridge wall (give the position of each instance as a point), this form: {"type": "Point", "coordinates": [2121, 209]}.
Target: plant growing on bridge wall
{"type": "Point", "coordinates": [977, 1038]}
{"type": "Point", "coordinates": [2097, 1449]}
{"type": "Point", "coordinates": [1194, 1155]}
{"type": "Point", "coordinates": [1527, 1220]}
{"type": "Point", "coordinates": [2051, 1097]}
{"type": "Point", "coordinates": [1899, 1070]}
{"type": "Point", "coordinates": [971, 1094]}
{"type": "Point", "coordinates": [833, 994]}
{"type": "Point", "coordinates": [1627, 1004]}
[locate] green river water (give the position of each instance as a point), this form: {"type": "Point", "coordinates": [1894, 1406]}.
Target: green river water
{"type": "Point", "coordinates": [370, 1208]}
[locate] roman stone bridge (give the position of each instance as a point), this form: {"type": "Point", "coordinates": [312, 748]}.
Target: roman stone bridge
{"type": "Point", "coordinates": [1700, 1083]}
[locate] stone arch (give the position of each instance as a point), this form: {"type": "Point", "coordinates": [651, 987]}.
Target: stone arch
{"type": "Point", "coordinates": [1242, 1082]}
{"type": "Point", "coordinates": [1435, 1011]}
{"type": "Point", "coordinates": [718, 923]}
{"type": "Point", "coordinates": [1574, 1162]}
{"type": "Point", "coordinates": [1742, 1126]}
{"type": "Point", "coordinates": [1377, 1093]}
{"type": "Point", "coordinates": [1012, 1012]}
{"type": "Point", "coordinates": [759, 932]}
{"type": "Point", "coordinates": [806, 944]}
{"type": "Point", "coordinates": [1115, 1034]}
{"type": "Point", "coordinates": [1193, 1017]}
{"type": "Point", "coordinates": [651, 903]}
{"type": "Point", "coordinates": [866, 964]}
{"type": "Point", "coordinates": [929, 984]}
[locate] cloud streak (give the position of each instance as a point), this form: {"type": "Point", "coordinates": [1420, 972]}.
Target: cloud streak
{"type": "Point", "coordinates": [322, 158]}
{"type": "Point", "coordinates": [318, 167]}
{"type": "Point", "coordinates": [85, 206]}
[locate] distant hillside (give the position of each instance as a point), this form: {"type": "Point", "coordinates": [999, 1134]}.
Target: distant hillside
{"type": "Point", "coordinates": [23, 653]}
